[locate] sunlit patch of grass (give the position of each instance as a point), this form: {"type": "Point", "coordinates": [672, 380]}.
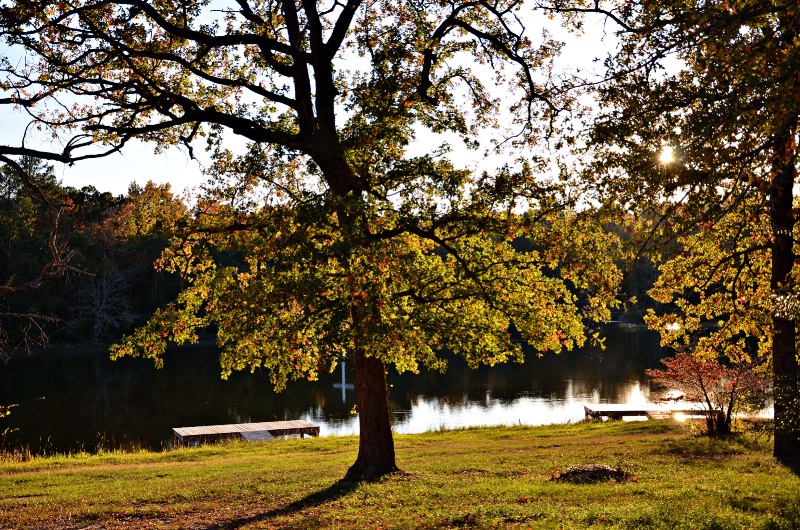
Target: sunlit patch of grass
{"type": "Point", "coordinates": [472, 478]}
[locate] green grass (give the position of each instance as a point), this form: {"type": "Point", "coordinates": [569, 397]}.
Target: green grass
{"type": "Point", "coordinates": [475, 478]}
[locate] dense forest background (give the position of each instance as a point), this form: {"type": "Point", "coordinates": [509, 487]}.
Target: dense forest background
{"type": "Point", "coordinates": [115, 241]}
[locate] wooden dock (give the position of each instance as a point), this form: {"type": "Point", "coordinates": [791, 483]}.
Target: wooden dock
{"type": "Point", "coordinates": [251, 432]}
{"type": "Point", "coordinates": [615, 411]}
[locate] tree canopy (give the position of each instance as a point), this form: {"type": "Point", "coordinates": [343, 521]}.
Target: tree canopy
{"type": "Point", "coordinates": [714, 83]}
{"type": "Point", "coordinates": [329, 233]}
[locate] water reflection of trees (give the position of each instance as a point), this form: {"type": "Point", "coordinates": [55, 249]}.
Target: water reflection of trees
{"type": "Point", "coordinates": [610, 371]}
{"type": "Point", "coordinates": [88, 397]}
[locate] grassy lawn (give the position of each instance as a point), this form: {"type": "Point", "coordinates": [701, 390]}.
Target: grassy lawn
{"type": "Point", "coordinates": [479, 478]}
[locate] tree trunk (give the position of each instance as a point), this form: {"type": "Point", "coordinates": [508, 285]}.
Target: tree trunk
{"type": "Point", "coordinates": [717, 423]}
{"type": "Point", "coordinates": [787, 405]}
{"type": "Point", "coordinates": [784, 348]}
{"type": "Point", "coordinates": [375, 446]}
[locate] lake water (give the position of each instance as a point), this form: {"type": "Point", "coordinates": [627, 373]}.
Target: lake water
{"type": "Point", "coordinates": [71, 401]}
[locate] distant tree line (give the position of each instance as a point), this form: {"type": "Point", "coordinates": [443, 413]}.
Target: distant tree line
{"type": "Point", "coordinates": [112, 243]}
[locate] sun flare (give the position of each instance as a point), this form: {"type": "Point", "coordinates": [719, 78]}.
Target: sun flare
{"type": "Point", "coordinates": [667, 154]}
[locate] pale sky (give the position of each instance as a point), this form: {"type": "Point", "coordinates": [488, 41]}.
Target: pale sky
{"type": "Point", "coordinates": [139, 163]}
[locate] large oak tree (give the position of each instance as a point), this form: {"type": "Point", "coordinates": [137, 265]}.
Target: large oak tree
{"type": "Point", "coordinates": [327, 234]}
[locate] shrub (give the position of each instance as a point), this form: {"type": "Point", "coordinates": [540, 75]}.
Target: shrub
{"type": "Point", "coordinates": [719, 388]}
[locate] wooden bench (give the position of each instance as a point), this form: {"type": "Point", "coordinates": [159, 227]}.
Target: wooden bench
{"type": "Point", "coordinates": [251, 432]}
{"type": "Point", "coordinates": [615, 411]}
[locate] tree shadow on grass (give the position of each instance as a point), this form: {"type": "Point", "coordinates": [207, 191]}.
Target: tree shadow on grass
{"type": "Point", "coordinates": [336, 491]}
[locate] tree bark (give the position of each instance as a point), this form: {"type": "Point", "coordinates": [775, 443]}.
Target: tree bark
{"type": "Point", "coordinates": [784, 347]}
{"type": "Point", "coordinates": [375, 446]}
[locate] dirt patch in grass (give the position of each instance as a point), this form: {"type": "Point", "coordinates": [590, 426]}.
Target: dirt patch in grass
{"type": "Point", "coordinates": [588, 473]}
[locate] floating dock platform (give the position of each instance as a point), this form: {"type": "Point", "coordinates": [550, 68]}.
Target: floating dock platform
{"type": "Point", "coordinates": [251, 432]}
{"type": "Point", "coordinates": [615, 411]}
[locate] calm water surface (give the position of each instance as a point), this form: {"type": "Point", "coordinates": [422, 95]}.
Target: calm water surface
{"type": "Point", "coordinates": [72, 401]}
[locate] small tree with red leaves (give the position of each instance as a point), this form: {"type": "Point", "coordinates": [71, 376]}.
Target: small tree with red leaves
{"type": "Point", "coordinates": [721, 389]}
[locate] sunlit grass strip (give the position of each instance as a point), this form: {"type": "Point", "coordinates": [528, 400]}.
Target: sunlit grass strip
{"type": "Point", "coordinates": [494, 477]}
